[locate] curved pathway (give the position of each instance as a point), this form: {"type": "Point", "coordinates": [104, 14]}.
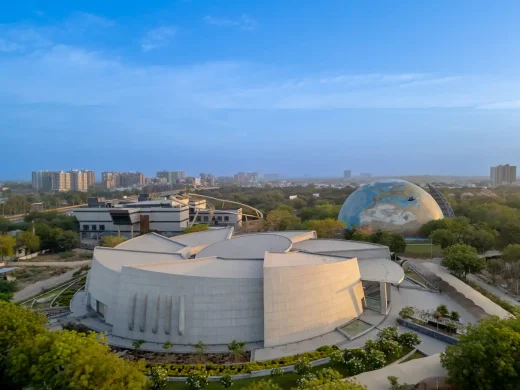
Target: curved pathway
{"type": "Point", "coordinates": [66, 264]}
{"type": "Point", "coordinates": [36, 288]}
{"type": "Point", "coordinates": [493, 290]}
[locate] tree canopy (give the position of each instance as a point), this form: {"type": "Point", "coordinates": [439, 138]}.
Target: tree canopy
{"type": "Point", "coordinates": [463, 259]}
{"type": "Point", "coordinates": [326, 228]}
{"type": "Point", "coordinates": [32, 356]}
{"type": "Point", "coordinates": [112, 241]}
{"type": "Point", "coordinates": [7, 245]}
{"type": "Point", "coordinates": [28, 241]}
{"type": "Point", "coordinates": [487, 357]}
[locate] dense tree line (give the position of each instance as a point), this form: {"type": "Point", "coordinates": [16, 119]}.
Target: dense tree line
{"type": "Point", "coordinates": [32, 356]}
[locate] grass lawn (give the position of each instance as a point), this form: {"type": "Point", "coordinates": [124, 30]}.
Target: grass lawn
{"type": "Point", "coordinates": [422, 251]}
{"type": "Point", "coordinates": [286, 381]}
{"type": "Point", "coordinates": [416, 355]}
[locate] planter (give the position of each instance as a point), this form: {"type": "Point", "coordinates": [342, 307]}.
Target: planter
{"type": "Point", "coordinates": [428, 332]}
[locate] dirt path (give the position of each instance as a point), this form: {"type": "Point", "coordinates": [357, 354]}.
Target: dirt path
{"type": "Point", "coordinates": [36, 288]}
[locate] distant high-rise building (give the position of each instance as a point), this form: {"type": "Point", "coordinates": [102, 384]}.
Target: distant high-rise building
{"type": "Point", "coordinates": [60, 181]}
{"type": "Point", "coordinates": [37, 180]}
{"type": "Point", "coordinates": [502, 174]}
{"type": "Point", "coordinates": [51, 181]}
{"type": "Point", "coordinates": [91, 178]}
{"type": "Point", "coordinates": [109, 179]}
{"type": "Point", "coordinates": [172, 176]}
{"type": "Point", "coordinates": [347, 174]}
{"type": "Point", "coordinates": [78, 180]}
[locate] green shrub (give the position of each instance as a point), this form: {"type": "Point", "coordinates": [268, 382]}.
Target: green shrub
{"type": "Point", "coordinates": [226, 381]}
{"type": "Point", "coordinates": [407, 312]}
{"type": "Point", "coordinates": [455, 316]}
{"type": "Point", "coordinates": [443, 310]}
{"type": "Point", "coordinates": [409, 339]}
{"type": "Point", "coordinates": [389, 333]}
{"type": "Point", "coordinates": [277, 371]}
{"type": "Point", "coordinates": [302, 366]}
{"type": "Point", "coordinates": [158, 378]}
{"type": "Point", "coordinates": [85, 255]}
{"type": "Point", "coordinates": [197, 380]}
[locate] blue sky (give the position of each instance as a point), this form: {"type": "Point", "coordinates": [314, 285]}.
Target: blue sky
{"type": "Point", "coordinates": [294, 87]}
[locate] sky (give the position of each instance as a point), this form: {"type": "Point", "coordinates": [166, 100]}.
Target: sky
{"type": "Point", "coordinates": [275, 86]}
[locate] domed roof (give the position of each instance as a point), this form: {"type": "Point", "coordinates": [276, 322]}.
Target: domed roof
{"type": "Point", "coordinates": [391, 205]}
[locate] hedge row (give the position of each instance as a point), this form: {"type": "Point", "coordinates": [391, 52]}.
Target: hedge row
{"type": "Point", "coordinates": [244, 368]}
{"type": "Point", "coordinates": [499, 301]}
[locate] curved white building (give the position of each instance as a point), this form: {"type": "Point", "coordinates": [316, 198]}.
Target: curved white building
{"type": "Point", "coordinates": [275, 288]}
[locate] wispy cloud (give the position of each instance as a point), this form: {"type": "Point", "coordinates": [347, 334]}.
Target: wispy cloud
{"type": "Point", "coordinates": [158, 38]}
{"type": "Point", "coordinates": [88, 19]}
{"type": "Point", "coordinates": [507, 105]}
{"type": "Point", "coordinates": [244, 22]}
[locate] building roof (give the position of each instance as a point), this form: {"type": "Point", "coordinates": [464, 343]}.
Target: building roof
{"type": "Point", "coordinates": [380, 270]}
{"type": "Point", "coordinates": [6, 270]}
{"type": "Point", "coordinates": [210, 267]}
{"type": "Point", "coordinates": [477, 298]}
{"type": "Point", "coordinates": [206, 238]}
{"type": "Point", "coordinates": [296, 235]}
{"type": "Point", "coordinates": [115, 258]}
{"type": "Point", "coordinates": [250, 246]}
{"type": "Point", "coordinates": [331, 245]}
{"type": "Point", "coordinates": [294, 259]}
{"type": "Point", "coordinates": [152, 242]}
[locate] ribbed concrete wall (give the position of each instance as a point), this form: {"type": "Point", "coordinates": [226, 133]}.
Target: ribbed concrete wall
{"type": "Point", "coordinates": [216, 310]}
{"type": "Point", "coordinates": [307, 301]}
{"type": "Point", "coordinates": [103, 286]}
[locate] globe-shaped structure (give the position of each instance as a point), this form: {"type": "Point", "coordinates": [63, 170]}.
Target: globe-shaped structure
{"type": "Point", "coordinates": [391, 205]}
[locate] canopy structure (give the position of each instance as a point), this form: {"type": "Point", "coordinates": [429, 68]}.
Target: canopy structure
{"type": "Point", "coordinates": [477, 298]}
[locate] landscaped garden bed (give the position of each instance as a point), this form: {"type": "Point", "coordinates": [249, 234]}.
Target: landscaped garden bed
{"type": "Point", "coordinates": [389, 348]}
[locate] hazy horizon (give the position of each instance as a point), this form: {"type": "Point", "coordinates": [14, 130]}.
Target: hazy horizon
{"type": "Point", "coordinates": [380, 87]}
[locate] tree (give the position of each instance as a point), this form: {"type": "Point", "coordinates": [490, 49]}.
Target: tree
{"type": "Point", "coordinates": [511, 253]}
{"type": "Point", "coordinates": [167, 345]}
{"type": "Point", "coordinates": [398, 243]}
{"type": "Point", "coordinates": [5, 225]}
{"type": "Point", "coordinates": [281, 220]}
{"type": "Point", "coordinates": [443, 237]}
{"type": "Point", "coordinates": [7, 288]}
{"type": "Point", "coordinates": [237, 348]}
{"type": "Point", "coordinates": [495, 267]}
{"type": "Point", "coordinates": [200, 348]}
{"type": "Point", "coordinates": [454, 315]}
{"type": "Point", "coordinates": [137, 344]}
{"type": "Point", "coordinates": [67, 240]}
{"type": "Point", "coordinates": [325, 228]}
{"type": "Point", "coordinates": [112, 241]}
{"type": "Point", "coordinates": [7, 245]}
{"type": "Point", "coordinates": [70, 360]}
{"type": "Point", "coordinates": [480, 239]}
{"type": "Point", "coordinates": [487, 357]}
{"type": "Point", "coordinates": [28, 241]}
{"type": "Point", "coordinates": [201, 227]}
{"type": "Point", "coordinates": [443, 310]}
{"type": "Point", "coordinates": [463, 259]}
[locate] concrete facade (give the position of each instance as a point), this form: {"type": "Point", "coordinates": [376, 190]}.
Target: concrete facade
{"type": "Point", "coordinates": [302, 302]}
{"type": "Point", "coordinates": [253, 288]}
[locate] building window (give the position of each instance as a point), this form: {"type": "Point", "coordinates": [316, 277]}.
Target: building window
{"type": "Point", "coordinates": [198, 218]}
{"type": "Point", "coordinates": [206, 219]}
{"type": "Point", "coordinates": [85, 227]}
{"type": "Point", "coordinates": [226, 218]}
{"type": "Point", "coordinates": [219, 218]}
{"type": "Point", "coordinates": [94, 227]}
{"type": "Point", "coordinates": [102, 228]}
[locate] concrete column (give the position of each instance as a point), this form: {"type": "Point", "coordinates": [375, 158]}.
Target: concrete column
{"type": "Point", "coordinates": [384, 300]}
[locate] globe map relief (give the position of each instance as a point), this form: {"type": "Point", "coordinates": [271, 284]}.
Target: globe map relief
{"type": "Point", "coordinates": [391, 205]}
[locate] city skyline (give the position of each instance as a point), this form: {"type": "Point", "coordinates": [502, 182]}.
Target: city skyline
{"type": "Point", "coordinates": [279, 88]}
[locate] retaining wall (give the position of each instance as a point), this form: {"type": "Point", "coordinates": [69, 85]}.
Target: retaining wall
{"type": "Point", "coordinates": [428, 332]}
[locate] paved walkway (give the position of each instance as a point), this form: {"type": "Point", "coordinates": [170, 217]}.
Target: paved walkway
{"type": "Point", "coordinates": [67, 264]}
{"type": "Point", "coordinates": [493, 290]}
{"type": "Point", "coordinates": [38, 287]}
{"type": "Point", "coordinates": [411, 372]}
